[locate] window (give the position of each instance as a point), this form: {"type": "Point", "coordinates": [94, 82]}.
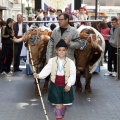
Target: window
{"type": "Point", "coordinates": [102, 2]}
{"type": "Point", "coordinates": [117, 2]}
{"type": "Point", "coordinates": [87, 2]}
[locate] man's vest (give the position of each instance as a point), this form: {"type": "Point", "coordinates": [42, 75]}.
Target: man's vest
{"type": "Point", "coordinates": [55, 67]}
{"type": "Point", "coordinates": [16, 28]}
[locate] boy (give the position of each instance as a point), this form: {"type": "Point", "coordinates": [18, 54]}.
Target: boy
{"type": "Point", "coordinates": [63, 76]}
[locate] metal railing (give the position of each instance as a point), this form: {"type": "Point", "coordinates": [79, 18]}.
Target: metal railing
{"type": "Point", "coordinates": [58, 21]}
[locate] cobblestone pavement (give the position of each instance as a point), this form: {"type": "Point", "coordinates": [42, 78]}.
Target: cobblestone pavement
{"type": "Point", "coordinates": [17, 100]}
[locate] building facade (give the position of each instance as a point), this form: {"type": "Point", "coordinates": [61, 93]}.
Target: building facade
{"type": "Point", "coordinates": [10, 8]}
{"type": "Point", "coordinates": [111, 7]}
{"type": "Point", "coordinates": [5, 8]}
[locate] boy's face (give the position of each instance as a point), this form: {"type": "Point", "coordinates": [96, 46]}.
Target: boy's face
{"type": "Point", "coordinates": [11, 24]}
{"type": "Point", "coordinates": [45, 15]}
{"type": "Point", "coordinates": [51, 13]}
{"type": "Point", "coordinates": [58, 13]}
{"type": "Point", "coordinates": [81, 11]}
{"type": "Point", "coordinates": [61, 52]}
{"type": "Point", "coordinates": [67, 10]}
{"type": "Point", "coordinates": [114, 23]}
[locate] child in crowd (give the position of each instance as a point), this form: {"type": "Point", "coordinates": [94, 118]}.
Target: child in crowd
{"type": "Point", "coordinates": [63, 76]}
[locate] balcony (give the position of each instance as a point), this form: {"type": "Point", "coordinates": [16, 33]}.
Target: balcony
{"type": "Point", "coordinates": [15, 1]}
{"type": "Point", "coordinates": [3, 8]}
{"type": "Point", "coordinates": [12, 1]}
{"type": "Point", "coordinates": [17, 7]}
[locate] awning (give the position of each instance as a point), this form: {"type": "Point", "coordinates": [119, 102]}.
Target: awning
{"type": "Point", "coordinates": [3, 8]}
{"type": "Point", "coordinates": [99, 14]}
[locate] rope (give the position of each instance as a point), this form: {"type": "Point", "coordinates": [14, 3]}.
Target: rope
{"type": "Point", "coordinates": [38, 84]}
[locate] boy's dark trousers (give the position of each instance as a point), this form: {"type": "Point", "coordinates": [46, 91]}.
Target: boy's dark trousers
{"type": "Point", "coordinates": [112, 58]}
{"type": "Point", "coordinates": [106, 48]}
{"type": "Point", "coordinates": [0, 61]}
{"type": "Point", "coordinates": [17, 52]}
{"type": "Point", "coordinates": [7, 55]}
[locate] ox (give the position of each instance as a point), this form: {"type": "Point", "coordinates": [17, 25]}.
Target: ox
{"type": "Point", "coordinates": [37, 39]}
{"type": "Point", "coordinates": [88, 59]}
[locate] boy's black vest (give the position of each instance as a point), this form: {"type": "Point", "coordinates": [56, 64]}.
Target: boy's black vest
{"type": "Point", "coordinates": [48, 18]}
{"type": "Point", "coordinates": [7, 31]}
{"type": "Point", "coordinates": [16, 28]}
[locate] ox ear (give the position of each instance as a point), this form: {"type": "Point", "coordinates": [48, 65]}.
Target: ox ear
{"type": "Point", "coordinates": [100, 42]}
{"type": "Point", "coordinates": [95, 56]}
{"type": "Point", "coordinates": [92, 31]}
{"type": "Point", "coordinates": [49, 33]}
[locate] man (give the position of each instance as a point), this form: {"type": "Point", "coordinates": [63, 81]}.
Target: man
{"type": "Point", "coordinates": [82, 16]}
{"type": "Point", "coordinates": [59, 11]}
{"type": "Point", "coordinates": [2, 23]}
{"type": "Point", "coordinates": [114, 43]}
{"type": "Point", "coordinates": [104, 20]}
{"type": "Point", "coordinates": [66, 32]}
{"type": "Point", "coordinates": [7, 47]}
{"type": "Point", "coordinates": [0, 43]}
{"type": "Point", "coordinates": [45, 18]}
{"type": "Point", "coordinates": [119, 21]}
{"type": "Point", "coordinates": [38, 13]}
{"type": "Point", "coordinates": [0, 34]}
{"type": "Point", "coordinates": [53, 17]}
{"type": "Point", "coordinates": [20, 28]}
{"type": "Point", "coordinates": [72, 17]}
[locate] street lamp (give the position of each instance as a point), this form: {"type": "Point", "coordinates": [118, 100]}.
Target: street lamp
{"type": "Point", "coordinates": [99, 9]}
{"type": "Point", "coordinates": [22, 7]}
{"type": "Point", "coordinates": [96, 8]}
{"type": "Point", "coordinates": [28, 8]}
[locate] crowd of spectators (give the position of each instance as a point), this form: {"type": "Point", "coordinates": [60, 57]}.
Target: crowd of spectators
{"type": "Point", "coordinates": [109, 30]}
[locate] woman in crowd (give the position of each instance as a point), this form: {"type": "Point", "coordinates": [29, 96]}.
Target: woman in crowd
{"type": "Point", "coordinates": [104, 30]}
{"type": "Point", "coordinates": [7, 47]}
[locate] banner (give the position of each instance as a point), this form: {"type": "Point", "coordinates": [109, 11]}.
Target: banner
{"type": "Point", "coordinates": [57, 4]}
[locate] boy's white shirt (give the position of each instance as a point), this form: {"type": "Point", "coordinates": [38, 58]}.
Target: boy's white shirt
{"type": "Point", "coordinates": [47, 70]}
{"type": "Point", "coordinates": [82, 16]}
{"type": "Point", "coordinates": [75, 23]}
{"type": "Point", "coordinates": [55, 19]}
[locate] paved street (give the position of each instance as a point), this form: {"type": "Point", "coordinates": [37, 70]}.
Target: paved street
{"type": "Point", "coordinates": [17, 100]}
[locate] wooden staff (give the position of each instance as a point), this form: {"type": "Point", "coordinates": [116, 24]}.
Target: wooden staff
{"type": "Point", "coordinates": [117, 61]}
{"type": "Point", "coordinates": [38, 84]}
{"type": "Point", "coordinates": [13, 52]}
{"type": "Point", "coordinates": [13, 58]}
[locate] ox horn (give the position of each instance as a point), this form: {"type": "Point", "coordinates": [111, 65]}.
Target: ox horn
{"type": "Point", "coordinates": [45, 38]}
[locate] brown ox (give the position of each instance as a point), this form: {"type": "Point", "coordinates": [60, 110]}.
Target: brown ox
{"type": "Point", "coordinates": [37, 39]}
{"type": "Point", "coordinates": [88, 59]}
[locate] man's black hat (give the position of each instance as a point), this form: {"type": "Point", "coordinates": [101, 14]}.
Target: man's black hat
{"type": "Point", "coordinates": [61, 43]}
